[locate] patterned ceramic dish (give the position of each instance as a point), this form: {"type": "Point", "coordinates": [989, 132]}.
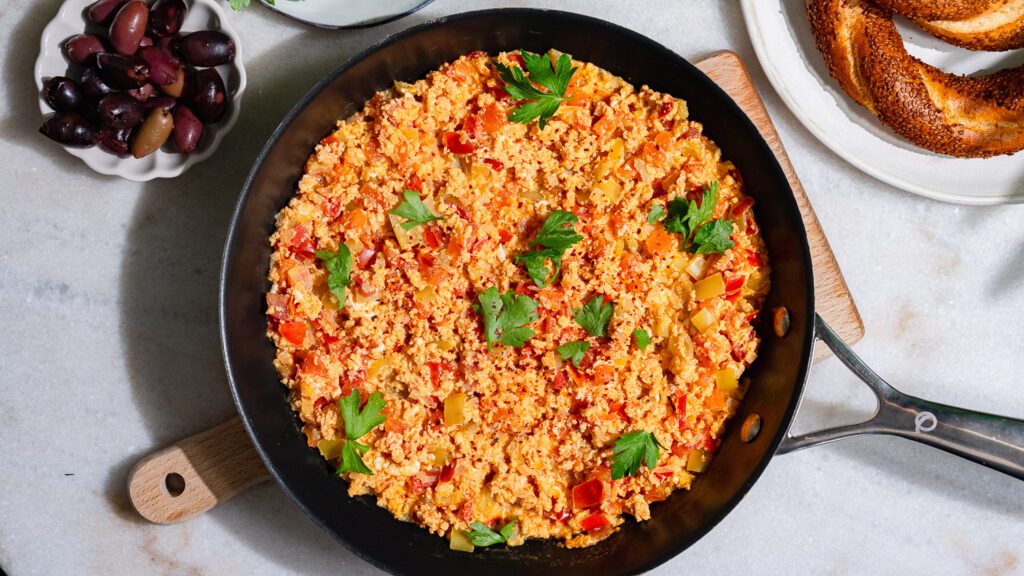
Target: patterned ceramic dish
{"type": "Point", "coordinates": [202, 15]}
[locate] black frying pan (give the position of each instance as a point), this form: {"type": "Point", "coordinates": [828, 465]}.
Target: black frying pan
{"type": "Point", "coordinates": [778, 375]}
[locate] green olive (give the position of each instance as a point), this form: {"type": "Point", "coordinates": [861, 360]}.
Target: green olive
{"type": "Point", "coordinates": [154, 131]}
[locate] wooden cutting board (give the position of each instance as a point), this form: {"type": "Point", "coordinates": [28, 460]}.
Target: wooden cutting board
{"type": "Point", "coordinates": [199, 472]}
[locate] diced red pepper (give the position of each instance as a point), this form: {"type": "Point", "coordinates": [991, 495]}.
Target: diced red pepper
{"type": "Point", "coordinates": [447, 472]}
{"type": "Point", "coordinates": [666, 108]}
{"type": "Point", "coordinates": [461, 211]}
{"type": "Point", "coordinates": [733, 285]}
{"type": "Point", "coordinates": [414, 183]}
{"type": "Point", "coordinates": [426, 259]}
{"type": "Point", "coordinates": [504, 236]}
{"type": "Point", "coordinates": [432, 236]}
{"type": "Point", "coordinates": [517, 59]}
{"type": "Point", "coordinates": [499, 93]}
{"type": "Point", "coordinates": [453, 142]}
{"type": "Point", "coordinates": [352, 380]}
{"type": "Point", "coordinates": [294, 332]}
{"type": "Point", "coordinates": [312, 365]}
{"type": "Point", "coordinates": [662, 473]}
{"type": "Point", "coordinates": [681, 405]}
{"type": "Point", "coordinates": [301, 244]}
{"type": "Point", "coordinates": [711, 444]}
{"type": "Point", "coordinates": [435, 372]}
{"type": "Point", "coordinates": [588, 494]}
{"type": "Point", "coordinates": [618, 409]}
{"type": "Point", "coordinates": [495, 164]}
{"type": "Point", "coordinates": [559, 381]}
{"type": "Point", "coordinates": [333, 208]}
{"type": "Point", "coordinates": [742, 206]}
{"type": "Point", "coordinates": [365, 258]}
{"type": "Point", "coordinates": [562, 515]}
{"type": "Point", "coordinates": [754, 259]}
{"type": "Point", "coordinates": [492, 119]}
{"type": "Point", "coordinates": [471, 126]}
{"type": "Point", "coordinates": [594, 522]}
{"type": "Point", "coordinates": [419, 483]}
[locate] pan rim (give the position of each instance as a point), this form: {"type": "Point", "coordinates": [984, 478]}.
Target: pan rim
{"type": "Point", "coordinates": [634, 37]}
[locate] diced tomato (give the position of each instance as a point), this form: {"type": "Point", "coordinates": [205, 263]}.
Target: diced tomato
{"type": "Point", "coordinates": [496, 165]}
{"type": "Point", "coordinates": [294, 332]}
{"type": "Point", "coordinates": [492, 119]}
{"type": "Point", "coordinates": [435, 372]}
{"type": "Point", "coordinates": [453, 142]}
{"type": "Point", "coordinates": [352, 380]}
{"type": "Point", "coordinates": [559, 381]}
{"type": "Point", "coordinates": [333, 208]}
{"type": "Point", "coordinates": [301, 244]}
{"type": "Point", "coordinates": [604, 126]}
{"type": "Point", "coordinates": [562, 515]}
{"type": "Point", "coordinates": [660, 241]}
{"type": "Point", "coordinates": [320, 403]}
{"type": "Point", "coordinates": [461, 211]}
{"type": "Point", "coordinates": [681, 405]}
{"type": "Point", "coordinates": [419, 483]}
{"type": "Point", "coordinates": [588, 494]}
{"type": "Point", "coordinates": [517, 59]}
{"type": "Point", "coordinates": [652, 155]}
{"type": "Point", "coordinates": [524, 288]}
{"type": "Point", "coordinates": [426, 259]}
{"type": "Point", "coordinates": [414, 183]}
{"type": "Point", "coordinates": [504, 236]}
{"type": "Point", "coordinates": [594, 522]}
{"type": "Point", "coordinates": [447, 472]}
{"type": "Point", "coordinates": [604, 373]}
{"type": "Point", "coordinates": [742, 206]}
{"type": "Point", "coordinates": [711, 444]}
{"type": "Point", "coordinates": [277, 306]}
{"type": "Point", "coordinates": [618, 409]}
{"type": "Point", "coordinates": [666, 108]}
{"type": "Point", "coordinates": [433, 236]}
{"type": "Point", "coordinates": [734, 284]}
{"type": "Point", "coordinates": [312, 365]}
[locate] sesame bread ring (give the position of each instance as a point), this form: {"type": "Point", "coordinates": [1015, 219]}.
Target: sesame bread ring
{"type": "Point", "coordinates": [955, 115]}
{"type": "Point", "coordinates": [994, 25]}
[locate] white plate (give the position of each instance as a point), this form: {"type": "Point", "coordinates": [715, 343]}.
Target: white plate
{"type": "Point", "coordinates": [785, 47]}
{"type": "Point", "coordinates": [202, 15]}
{"type": "Point", "coordinates": [345, 13]}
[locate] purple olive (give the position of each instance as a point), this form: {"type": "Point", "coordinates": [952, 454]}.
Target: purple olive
{"type": "Point", "coordinates": [163, 70]}
{"type": "Point", "coordinates": [102, 12]}
{"type": "Point", "coordinates": [63, 94]}
{"type": "Point", "coordinates": [155, 130]}
{"type": "Point", "coordinates": [187, 130]}
{"type": "Point", "coordinates": [146, 41]}
{"type": "Point", "coordinates": [94, 85]}
{"type": "Point", "coordinates": [121, 71]}
{"type": "Point", "coordinates": [207, 48]}
{"type": "Point", "coordinates": [82, 48]}
{"type": "Point", "coordinates": [70, 129]}
{"type": "Point", "coordinates": [207, 96]}
{"type": "Point", "coordinates": [129, 26]}
{"type": "Point", "coordinates": [143, 93]}
{"type": "Point", "coordinates": [165, 102]}
{"type": "Point", "coordinates": [166, 17]}
{"type": "Point", "coordinates": [120, 111]}
{"type": "Point", "coordinates": [115, 141]}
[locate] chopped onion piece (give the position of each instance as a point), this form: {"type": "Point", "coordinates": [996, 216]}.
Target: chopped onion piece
{"type": "Point", "coordinates": [459, 541]}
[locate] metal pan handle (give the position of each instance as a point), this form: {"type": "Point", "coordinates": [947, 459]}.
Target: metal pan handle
{"type": "Point", "coordinates": [993, 441]}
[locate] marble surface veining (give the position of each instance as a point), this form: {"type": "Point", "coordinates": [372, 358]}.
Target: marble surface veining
{"type": "Point", "coordinates": [109, 348]}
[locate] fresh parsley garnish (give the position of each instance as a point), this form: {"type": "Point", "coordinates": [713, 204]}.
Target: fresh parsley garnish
{"type": "Point", "coordinates": [358, 423]}
{"type": "Point", "coordinates": [339, 267]}
{"type": "Point", "coordinates": [482, 535]}
{"type": "Point", "coordinates": [540, 104]}
{"type": "Point", "coordinates": [694, 221]}
{"type": "Point", "coordinates": [574, 350]}
{"type": "Point", "coordinates": [239, 4]}
{"type": "Point", "coordinates": [413, 210]}
{"type": "Point", "coordinates": [506, 316]}
{"type": "Point", "coordinates": [642, 338]}
{"type": "Point", "coordinates": [556, 235]}
{"type": "Point", "coordinates": [656, 213]}
{"type": "Point", "coordinates": [594, 316]}
{"type": "Point", "coordinates": [631, 449]}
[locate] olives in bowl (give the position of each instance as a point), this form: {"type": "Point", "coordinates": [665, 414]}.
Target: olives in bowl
{"type": "Point", "coordinates": [115, 78]}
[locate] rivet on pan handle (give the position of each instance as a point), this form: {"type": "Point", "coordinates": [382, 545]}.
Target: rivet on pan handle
{"type": "Point", "coordinates": [993, 441]}
{"type": "Point", "coordinates": [195, 474]}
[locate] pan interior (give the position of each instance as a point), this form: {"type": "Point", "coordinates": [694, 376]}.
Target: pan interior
{"type": "Point", "coordinates": [404, 548]}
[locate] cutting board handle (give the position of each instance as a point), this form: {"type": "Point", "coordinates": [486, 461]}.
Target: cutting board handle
{"type": "Point", "coordinates": [194, 475]}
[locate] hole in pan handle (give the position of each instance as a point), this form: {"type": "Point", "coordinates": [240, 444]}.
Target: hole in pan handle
{"type": "Point", "coordinates": [993, 441]}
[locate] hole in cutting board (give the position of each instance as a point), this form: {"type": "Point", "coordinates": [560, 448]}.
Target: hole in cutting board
{"type": "Point", "coordinates": [175, 484]}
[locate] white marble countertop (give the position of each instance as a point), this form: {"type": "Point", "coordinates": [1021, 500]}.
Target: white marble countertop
{"type": "Point", "coordinates": [109, 347]}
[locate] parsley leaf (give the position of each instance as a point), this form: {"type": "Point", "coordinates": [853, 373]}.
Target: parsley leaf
{"type": "Point", "coordinates": [657, 213]}
{"type": "Point", "coordinates": [556, 235]}
{"type": "Point", "coordinates": [506, 316]}
{"type": "Point", "coordinates": [642, 338]}
{"type": "Point", "coordinates": [540, 104]}
{"type": "Point", "coordinates": [631, 449]}
{"type": "Point", "coordinates": [713, 238]}
{"type": "Point", "coordinates": [339, 267]}
{"type": "Point", "coordinates": [482, 535]}
{"type": "Point", "coordinates": [594, 316]}
{"type": "Point", "coordinates": [694, 221]}
{"type": "Point", "coordinates": [358, 424]}
{"type": "Point", "coordinates": [414, 210]}
{"type": "Point", "coordinates": [574, 350]}
{"type": "Point", "coordinates": [239, 4]}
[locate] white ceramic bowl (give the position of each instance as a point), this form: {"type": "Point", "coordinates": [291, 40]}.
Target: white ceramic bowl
{"type": "Point", "coordinates": [341, 14]}
{"type": "Point", "coordinates": [202, 15]}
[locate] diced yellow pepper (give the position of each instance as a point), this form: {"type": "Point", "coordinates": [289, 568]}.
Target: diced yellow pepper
{"type": "Point", "coordinates": [425, 296]}
{"type": "Point", "coordinates": [330, 449]}
{"type": "Point", "coordinates": [459, 541]}
{"type": "Point", "coordinates": [440, 454]}
{"type": "Point", "coordinates": [378, 367]}
{"type": "Point", "coordinates": [606, 192]}
{"type": "Point", "coordinates": [454, 409]}
{"type": "Point", "coordinates": [710, 287]}
{"type": "Point", "coordinates": [703, 319]}
{"type": "Point", "coordinates": [728, 378]}
{"type": "Point", "coordinates": [697, 461]}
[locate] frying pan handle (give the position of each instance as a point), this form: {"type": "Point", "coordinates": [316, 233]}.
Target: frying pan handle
{"type": "Point", "coordinates": [993, 441]}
